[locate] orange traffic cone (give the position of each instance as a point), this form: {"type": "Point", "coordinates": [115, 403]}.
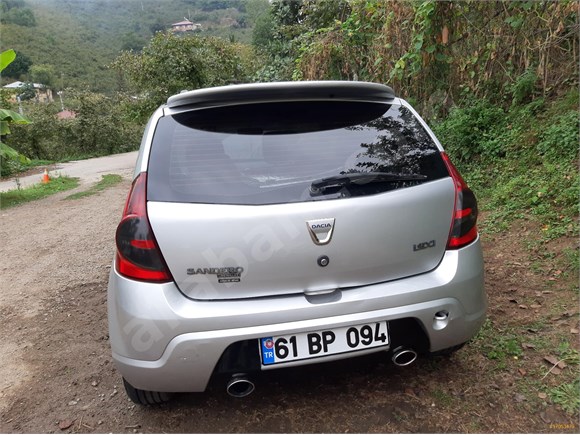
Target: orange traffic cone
{"type": "Point", "coordinates": [45, 177]}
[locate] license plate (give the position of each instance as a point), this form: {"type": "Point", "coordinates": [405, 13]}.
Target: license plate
{"type": "Point", "coordinates": [286, 348]}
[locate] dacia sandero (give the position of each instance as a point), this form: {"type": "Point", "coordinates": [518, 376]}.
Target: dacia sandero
{"type": "Point", "coordinates": [272, 225]}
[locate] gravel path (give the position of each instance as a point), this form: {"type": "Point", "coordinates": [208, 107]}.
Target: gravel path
{"type": "Point", "coordinates": [87, 171]}
{"type": "Point", "coordinates": [47, 247]}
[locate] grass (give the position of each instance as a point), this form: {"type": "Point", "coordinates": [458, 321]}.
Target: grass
{"type": "Point", "coordinates": [572, 260]}
{"type": "Point", "coordinates": [505, 350]}
{"type": "Point", "coordinates": [35, 163]}
{"type": "Point", "coordinates": [107, 181]}
{"type": "Point", "coordinates": [567, 395]}
{"type": "Point", "coordinates": [14, 168]}
{"type": "Point", "coordinates": [38, 191]}
{"type": "Point", "coordinates": [568, 354]}
{"type": "Point", "coordinates": [442, 398]}
{"type": "Point", "coordinates": [501, 345]}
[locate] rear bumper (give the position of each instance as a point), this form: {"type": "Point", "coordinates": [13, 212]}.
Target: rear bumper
{"type": "Point", "coordinates": [162, 341]}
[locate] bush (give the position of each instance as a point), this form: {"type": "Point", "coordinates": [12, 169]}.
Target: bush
{"type": "Point", "coordinates": [523, 88]}
{"type": "Point", "coordinates": [559, 141]}
{"type": "Point", "coordinates": [36, 139]}
{"type": "Point", "coordinates": [99, 128]}
{"type": "Point", "coordinates": [473, 132]}
{"type": "Point", "coordinates": [522, 163]}
{"type": "Point", "coordinates": [11, 161]}
{"type": "Point", "coordinates": [21, 17]}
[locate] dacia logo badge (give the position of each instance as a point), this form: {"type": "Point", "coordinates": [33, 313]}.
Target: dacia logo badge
{"type": "Point", "coordinates": [321, 230]}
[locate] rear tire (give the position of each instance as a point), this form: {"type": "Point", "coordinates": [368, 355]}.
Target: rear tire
{"type": "Point", "coordinates": [144, 397]}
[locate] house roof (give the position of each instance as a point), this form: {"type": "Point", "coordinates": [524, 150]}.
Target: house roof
{"type": "Point", "coordinates": [66, 114]}
{"type": "Point", "coordinates": [183, 23]}
{"type": "Point", "coordinates": [18, 84]}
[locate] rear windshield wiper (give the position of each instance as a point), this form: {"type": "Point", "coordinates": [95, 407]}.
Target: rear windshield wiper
{"type": "Point", "coordinates": [361, 178]}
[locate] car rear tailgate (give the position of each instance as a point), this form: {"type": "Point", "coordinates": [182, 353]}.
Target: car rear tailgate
{"type": "Point", "coordinates": [217, 251]}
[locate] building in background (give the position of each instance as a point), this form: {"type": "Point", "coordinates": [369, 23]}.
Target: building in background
{"type": "Point", "coordinates": [185, 26]}
{"type": "Point", "coordinates": [42, 93]}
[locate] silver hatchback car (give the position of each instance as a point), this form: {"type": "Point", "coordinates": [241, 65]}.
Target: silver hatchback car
{"type": "Point", "coordinates": [282, 224]}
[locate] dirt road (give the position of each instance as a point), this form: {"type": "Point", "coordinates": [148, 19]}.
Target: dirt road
{"type": "Point", "coordinates": [56, 373]}
{"type": "Point", "coordinates": [87, 171]}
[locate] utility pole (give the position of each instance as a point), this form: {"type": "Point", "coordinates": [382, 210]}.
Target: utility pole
{"type": "Point", "coordinates": [59, 93]}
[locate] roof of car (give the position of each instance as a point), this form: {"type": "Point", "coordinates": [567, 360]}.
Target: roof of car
{"type": "Point", "coordinates": [282, 91]}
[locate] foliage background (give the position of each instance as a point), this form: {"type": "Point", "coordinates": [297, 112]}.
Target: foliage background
{"type": "Point", "coordinates": [502, 51]}
{"type": "Point", "coordinates": [78, 39]}
{"type": "Point", "coordinates": [100, 127]}
{"type": "Point", "coordinates": [169, 64]}
{"type": "Point", "coordinates": [496, 80]}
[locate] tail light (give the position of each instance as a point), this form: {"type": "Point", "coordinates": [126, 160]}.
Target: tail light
{"type": "Point", "coordinates": [138, 255]}
{"type": "Point", "coordinates": [463, 226]}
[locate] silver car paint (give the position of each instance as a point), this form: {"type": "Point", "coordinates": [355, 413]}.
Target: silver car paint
{"type": "Point", "coordinates": [373, 241]}
{"type": "Point", "coordinates": [162, 341]}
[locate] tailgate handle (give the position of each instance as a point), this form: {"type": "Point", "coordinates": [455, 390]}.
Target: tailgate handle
{"type": "Point", "coordinates": [319, 292]}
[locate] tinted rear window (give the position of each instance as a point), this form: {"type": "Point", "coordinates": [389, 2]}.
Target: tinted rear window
{"type": "Point", "coordinates": [272, 153]}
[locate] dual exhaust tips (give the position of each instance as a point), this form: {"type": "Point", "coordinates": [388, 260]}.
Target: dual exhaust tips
{"type": "Point", "coordinates": [240, 386]}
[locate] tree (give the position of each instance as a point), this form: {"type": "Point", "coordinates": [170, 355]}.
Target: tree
{"type": "Point", "coordinates": [170, 64]}
{"type": "Point", "coordinates": [20, 17]}
{"type": "Point", "coordinates": [263, 32]}
{"type": "Point", "coordinates": [157, 26]}
{"type": "Point", "coordinates": [255, 9]}
{"type": "Point", "coordinates": [131, 41]}
{"type": "Point", "coordinates": [42, 74]}
{"type": "Point", "coordinates": [436, 50]}
{"type": "Point", "coordinates": [20, 66]}
{"type": "Point", "coordinates": [276, 33]}
{"type": "Point", "coordinates": [26, 91]}
{"type": "Point", "coordinates": [6, 5]}
{"type": "Point", "coordinates": [287, 12]}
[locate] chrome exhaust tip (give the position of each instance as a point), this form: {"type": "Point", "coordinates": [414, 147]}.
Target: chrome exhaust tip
{"type": "Point", "coordinates": [240, 386]}
{"type": "Point", "coordinates": [403, 356]}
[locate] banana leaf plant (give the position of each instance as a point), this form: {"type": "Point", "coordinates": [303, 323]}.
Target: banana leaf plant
{"type": "Point", "coordinates": [8, 117]}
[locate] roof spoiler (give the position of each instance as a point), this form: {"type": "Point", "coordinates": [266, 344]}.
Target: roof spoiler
{"type": "Point", "coordinates": [285, 91]}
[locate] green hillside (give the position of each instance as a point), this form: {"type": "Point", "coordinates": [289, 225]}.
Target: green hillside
{"type": "Point", "coordinates": [77, 39]}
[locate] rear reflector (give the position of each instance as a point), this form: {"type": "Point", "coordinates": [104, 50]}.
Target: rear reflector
{"type": "Point", "coordinates": [138, 255]}
{"type": "Point", "coordinates": [463, 225]}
